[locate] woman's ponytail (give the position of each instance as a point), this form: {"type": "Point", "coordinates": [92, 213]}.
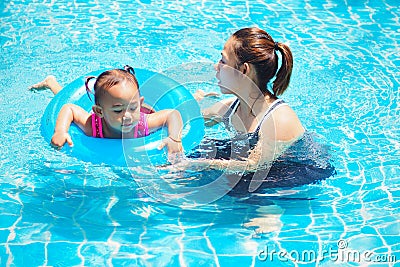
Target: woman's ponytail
{"type": "Point", "coordinates": [284, 73]}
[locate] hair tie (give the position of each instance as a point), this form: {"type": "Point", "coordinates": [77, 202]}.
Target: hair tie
{"type": "Point", "coordinates": [262, 36]}
{"type": "Point", "coordinates": [276, 47]}
{"type": "Point", "coordinates": [88, 91]}
{"type": "Point", "coordinates": [129, 69]}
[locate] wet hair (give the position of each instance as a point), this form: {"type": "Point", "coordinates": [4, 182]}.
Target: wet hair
{"type": "Point", "coordinates": [110, 78]}
{"type": "Point", "coordinates": [255, 46]}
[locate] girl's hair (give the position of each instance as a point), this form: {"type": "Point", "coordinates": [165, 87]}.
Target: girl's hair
{"type": "Point", "coordinates": [110, 78]}
{"type": "Point", "coordinates": [255, 46]}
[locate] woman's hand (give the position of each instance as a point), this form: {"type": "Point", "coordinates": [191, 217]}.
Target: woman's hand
{"type": "Point", "coordinates": [200, 94]}
{"type": "Point", "coordinates": [60, 138]}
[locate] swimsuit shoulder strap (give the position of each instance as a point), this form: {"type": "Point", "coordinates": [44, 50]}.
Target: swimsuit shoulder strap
{"type": "Point", "coordinates": [268, 112]}
{"type": "Point", "coordinates": [142, 128]}
{"type": "Point", "coordinates": [227, 118]}
{"type": "Point", "coordinates": [97, 126]}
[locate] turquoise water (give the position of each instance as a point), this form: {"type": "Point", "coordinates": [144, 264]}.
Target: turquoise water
{"type": "Point", "coordinates": [59, 211]}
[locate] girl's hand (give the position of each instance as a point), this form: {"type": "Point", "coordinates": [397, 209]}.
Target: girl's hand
{"type": "Point", "coordinates": [60, 138]}
{"type": "Point", "coordinates": [175, 149]}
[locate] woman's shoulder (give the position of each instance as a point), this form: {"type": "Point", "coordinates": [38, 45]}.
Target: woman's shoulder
{"type": "Point", "coordinates": [286, 124]}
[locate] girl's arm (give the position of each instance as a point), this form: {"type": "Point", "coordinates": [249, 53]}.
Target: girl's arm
{"type": "Point", "coordinates": [70, 113]}
{"type": "Point", "coordinates": [173, 120]}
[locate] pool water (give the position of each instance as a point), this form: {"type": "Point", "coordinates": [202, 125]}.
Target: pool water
{"type": "Point", "coordinates": [57, 210]}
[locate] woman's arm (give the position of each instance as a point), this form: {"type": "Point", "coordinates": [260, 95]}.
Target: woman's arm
{"type": "Point", "coordinates": [276, 134]}
{"type": "Point", "coordinates": [214, 114]}
{"type": "Point", "coordinates": [173, 120]}
{"type": "Point", "coordinates": [260, 157]}
{"type": "Point", "coordinates": [70, 113]}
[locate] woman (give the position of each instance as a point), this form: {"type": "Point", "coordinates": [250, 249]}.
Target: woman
{"type": "Point", "coordinates": [248, 65]}
{"type": "Point", "coordinates": [267, 132]}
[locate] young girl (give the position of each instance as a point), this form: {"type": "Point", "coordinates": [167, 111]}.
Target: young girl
{"type": "Point", "coordinates": [116, 113]}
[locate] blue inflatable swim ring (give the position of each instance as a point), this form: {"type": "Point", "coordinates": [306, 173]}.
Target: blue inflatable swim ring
{"type": "Point", "coordinates": [159, 91]}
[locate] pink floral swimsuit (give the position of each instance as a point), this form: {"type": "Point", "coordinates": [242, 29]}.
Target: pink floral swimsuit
{"type": "Point", "coordinates": [141, 129]}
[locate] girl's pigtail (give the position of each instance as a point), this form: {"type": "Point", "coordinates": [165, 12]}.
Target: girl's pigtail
{"type": "Point", "coordinates": [129, 69]}
{"type": "Point", "coordinates": [88, 91]}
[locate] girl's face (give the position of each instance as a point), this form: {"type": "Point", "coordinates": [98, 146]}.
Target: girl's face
{"type": "Point", "coordinates": [120, 108]}
{"type": "Point", "coordinates": [227, 74]}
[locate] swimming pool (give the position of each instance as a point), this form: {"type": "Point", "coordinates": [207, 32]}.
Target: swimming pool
{"type": "Point", "coordinates": [59, 211]}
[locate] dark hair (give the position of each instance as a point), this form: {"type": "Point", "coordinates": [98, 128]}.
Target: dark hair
{"type": "Point", "coordinates": [110, 78]}
{"type": "Point", "coordinates": [257, 47]}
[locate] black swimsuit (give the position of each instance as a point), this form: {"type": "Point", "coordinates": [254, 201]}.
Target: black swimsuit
{"type": "Point", "coordinates": [240, 144]}
{"type": "Point", "coordinates": [304, 162]}
{"type": "Point", "coordinates": [251, 138]}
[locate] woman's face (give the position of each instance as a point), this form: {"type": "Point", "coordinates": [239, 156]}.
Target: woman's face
{"type": "Point", "coordinates": [121, 107]}
{"type": "Point", "coordinates": [227, 74]}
